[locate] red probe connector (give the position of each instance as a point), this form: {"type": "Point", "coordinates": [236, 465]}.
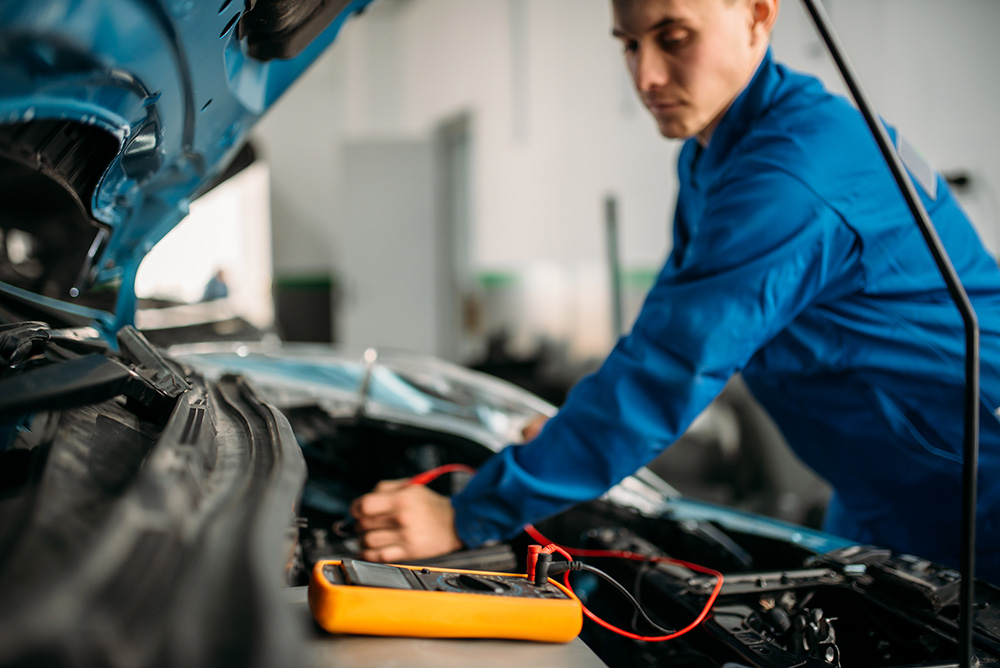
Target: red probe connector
{"type": "Point", "coordinates": [533, 552]}
{"type": "Point", "coordinates": [427, 476]}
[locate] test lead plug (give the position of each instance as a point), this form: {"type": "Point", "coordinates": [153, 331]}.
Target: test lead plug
{"type": "Point", "coordinates": [540, 566]}
{"type": "Point", "coordinates": [546, 569]}
{"type": "Point", "coordinates": [542, 569]}
{"type": "Point", "coordinates": [538, 562]}
{"type": "Point", "coordinates": [532, 561]}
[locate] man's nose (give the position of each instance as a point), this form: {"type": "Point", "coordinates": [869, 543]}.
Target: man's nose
{"type": "Point", "coordinates": [650, 70]}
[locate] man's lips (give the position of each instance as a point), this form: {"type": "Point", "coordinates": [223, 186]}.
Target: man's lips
{"type": "Point", "coordinates": [662, 106]}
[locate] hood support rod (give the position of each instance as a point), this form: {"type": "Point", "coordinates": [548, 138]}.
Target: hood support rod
{"type": "Point", "coordinates": [970, 450]}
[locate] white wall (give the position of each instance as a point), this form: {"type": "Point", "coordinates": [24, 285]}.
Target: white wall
{"type": "Point", "coordinates": [557, 131]}
{"type": "Point", "coordinates": [228, 229]}
{"type": "Point", "coordinates": [300, 138]}
{"type": "Point", "coordinates": [390, 296]}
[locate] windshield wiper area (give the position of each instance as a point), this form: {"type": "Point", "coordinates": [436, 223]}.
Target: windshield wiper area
{"type": "Point", "coordinates": [56, 373]}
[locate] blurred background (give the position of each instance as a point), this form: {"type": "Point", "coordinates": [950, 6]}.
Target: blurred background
{"type": "Point", "coordinates": [479, 181]}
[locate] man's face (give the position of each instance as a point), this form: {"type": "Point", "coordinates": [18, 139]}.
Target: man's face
{"type": "Point", "coordinates": [689, 59]}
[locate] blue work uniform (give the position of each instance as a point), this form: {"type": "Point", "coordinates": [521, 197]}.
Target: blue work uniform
{"type": "Point", "coordinates": [796, 262]}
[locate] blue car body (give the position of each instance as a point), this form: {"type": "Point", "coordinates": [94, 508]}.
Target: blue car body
{"type": "Point", "coordinates": [172, 82]}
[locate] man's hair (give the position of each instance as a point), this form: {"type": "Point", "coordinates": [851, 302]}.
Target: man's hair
{"type": "Point", "coordinates": [632, 2]}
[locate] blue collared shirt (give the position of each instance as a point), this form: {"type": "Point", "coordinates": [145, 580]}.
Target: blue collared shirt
{"type": "Point", "coordinates": [796, 262]}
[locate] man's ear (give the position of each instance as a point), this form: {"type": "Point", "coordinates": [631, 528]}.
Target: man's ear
{"type": "Point", "coordinates": [763, 15]}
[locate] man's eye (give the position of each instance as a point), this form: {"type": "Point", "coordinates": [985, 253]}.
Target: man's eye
{"type": "Point", "coordinates": [673, 42]}
{"type": "Point", "coordinates": [630, 46]}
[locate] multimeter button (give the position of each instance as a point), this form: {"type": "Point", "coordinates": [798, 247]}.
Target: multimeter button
{"type": "Point", "coordinates": [481, 584]}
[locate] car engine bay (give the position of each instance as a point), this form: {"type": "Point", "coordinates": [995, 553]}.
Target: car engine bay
{"type": "Point", "coordinates": [781, 604]}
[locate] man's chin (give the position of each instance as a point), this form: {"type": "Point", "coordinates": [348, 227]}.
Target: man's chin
{"type": "Point", "coordinates": [673, 130]}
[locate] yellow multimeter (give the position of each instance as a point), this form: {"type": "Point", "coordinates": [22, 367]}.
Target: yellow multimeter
{"type": "Point", "coordinates": [350, 596]}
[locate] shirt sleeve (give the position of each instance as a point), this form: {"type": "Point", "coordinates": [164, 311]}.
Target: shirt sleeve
{"type": "Point", "coordinates": [765, 248]}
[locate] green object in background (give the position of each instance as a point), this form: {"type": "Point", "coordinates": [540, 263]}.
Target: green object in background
{"type": "Point", "coordinates": [639, 278]}
{"type": "Point", "coordinates": [305, 307]}
{"type": "Point", "coordinates": [491, 280]}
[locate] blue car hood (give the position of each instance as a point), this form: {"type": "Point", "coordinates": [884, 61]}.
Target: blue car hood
{"type": "Point", "coordinates": [131, 108]}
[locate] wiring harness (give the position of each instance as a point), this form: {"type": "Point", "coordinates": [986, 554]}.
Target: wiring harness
{"type": "Point", "coordinates": [541, 567]}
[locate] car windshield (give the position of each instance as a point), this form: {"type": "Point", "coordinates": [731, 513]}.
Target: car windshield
{"type": "Point", "coordinates": [381, 384]}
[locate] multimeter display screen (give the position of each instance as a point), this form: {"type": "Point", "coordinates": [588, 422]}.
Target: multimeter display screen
{"type": "Point", "coordinates": [377, 575]}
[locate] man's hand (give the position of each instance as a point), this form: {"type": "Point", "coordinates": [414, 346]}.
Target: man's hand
{"type": "Point", "coordinates": [533, 428]}
{"type": "Point", "coordinates": [400, 522]}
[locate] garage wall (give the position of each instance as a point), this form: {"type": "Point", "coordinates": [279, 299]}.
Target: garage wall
{"type": "Point", "coordinates": [557, 128]}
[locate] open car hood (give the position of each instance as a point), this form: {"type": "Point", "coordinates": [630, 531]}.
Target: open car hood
{"type": "Point", "coordinates": [116, 114]}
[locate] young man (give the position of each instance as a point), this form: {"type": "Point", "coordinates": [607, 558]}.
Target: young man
{"type": "Point", "coordinates": [796, 262]}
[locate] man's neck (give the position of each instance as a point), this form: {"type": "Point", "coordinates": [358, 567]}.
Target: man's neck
{"type": "Point", "coordinates": [705, 135]}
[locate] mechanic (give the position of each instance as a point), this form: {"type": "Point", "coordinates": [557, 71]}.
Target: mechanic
{"type": "Point", "coordinates": [795, 262]}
